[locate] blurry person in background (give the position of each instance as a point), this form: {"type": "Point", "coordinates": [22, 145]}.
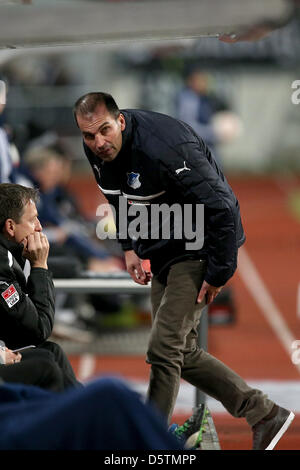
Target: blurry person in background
{"type": "Point", "coordinates": [9, 153]}
{"type": "Point", "coordinates": [205, 112]}
{"type": "Point", "coordinates": [7, 170]}
{"type": "Point", "coordinates": [66, 228]}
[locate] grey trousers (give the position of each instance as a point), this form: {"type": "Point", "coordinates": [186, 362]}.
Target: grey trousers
{"type": "Point", "coordinates": [173, 350]}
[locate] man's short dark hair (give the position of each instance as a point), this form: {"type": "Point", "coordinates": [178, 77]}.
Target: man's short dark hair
{"type": "Point", "coordinates": [13, 199]}
{"type": "Point", "coordinates": [87, 104]}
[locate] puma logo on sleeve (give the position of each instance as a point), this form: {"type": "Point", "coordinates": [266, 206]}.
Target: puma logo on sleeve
{"type": "Point", "coordinates": [179, 170]}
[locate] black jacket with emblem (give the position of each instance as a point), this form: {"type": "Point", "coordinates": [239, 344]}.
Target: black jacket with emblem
{"type": "Point", "coordinates": [163, 161]}
{"type": "Point", "coordinates": [26, 307]}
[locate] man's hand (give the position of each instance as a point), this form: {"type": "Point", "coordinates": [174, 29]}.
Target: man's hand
{"type": "Point", "coordinates": [11, 357]}
{"type": "Point", "coordinates": [36, 250]}
{"type": "Point", "coordinates": [135, 269]}
{"type": "Point", "coordinates": [209, 292]}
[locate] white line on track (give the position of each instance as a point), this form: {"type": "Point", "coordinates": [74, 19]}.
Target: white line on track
{"type": "Point", "coordinates": [263, 298]}
{"type": "Point", "coordinates": [86, 367]}
{"type": "Point", "coordinates": [285, 392]}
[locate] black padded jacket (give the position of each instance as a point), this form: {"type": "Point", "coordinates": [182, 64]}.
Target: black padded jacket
{"type": "Point", "coordinates": [163, 161]}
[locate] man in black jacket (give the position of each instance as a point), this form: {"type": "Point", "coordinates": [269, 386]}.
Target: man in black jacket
{"type": "Point", "coordinates": [164, 171]}
{"type": "Point", "coordinates": [26, 287]}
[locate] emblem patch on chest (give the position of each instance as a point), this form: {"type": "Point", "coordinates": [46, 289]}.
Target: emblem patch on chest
{"type": "Point", "coordinates": [11, 296]}
{"type": "Point", "coordinates": [133, 180]}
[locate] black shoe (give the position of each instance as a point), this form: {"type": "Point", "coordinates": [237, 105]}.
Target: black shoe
{"type": "Point", "coordinates": [190, 433]}
{"type": "Point", "coordinates": [268, 431]}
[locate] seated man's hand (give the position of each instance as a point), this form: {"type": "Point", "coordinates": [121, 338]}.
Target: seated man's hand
{"type": "Point", "coordinates": [36, 250]}
{"type": "Point", "coordinates": [11, 357]}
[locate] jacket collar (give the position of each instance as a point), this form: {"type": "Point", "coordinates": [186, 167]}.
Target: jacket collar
{"type": "Point", "coordinates": [16, 249]}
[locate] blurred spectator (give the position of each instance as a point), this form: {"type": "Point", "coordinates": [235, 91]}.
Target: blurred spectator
{"type": "Point", "coordinates": [66, 228]}
{"type": "Point", "coordinates": [205, 112]}
{"type": "Point", "coordinates": [7, 170]}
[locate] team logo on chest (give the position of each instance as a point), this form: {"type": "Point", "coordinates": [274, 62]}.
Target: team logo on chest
{"type": "Point", "coordinates": [133, 180]}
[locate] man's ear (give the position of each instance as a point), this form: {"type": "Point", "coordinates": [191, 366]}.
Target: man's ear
{"type": "Point", "coordinates": [9, 228]}
{"type": "Point", "coordinates": [122, 122]}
